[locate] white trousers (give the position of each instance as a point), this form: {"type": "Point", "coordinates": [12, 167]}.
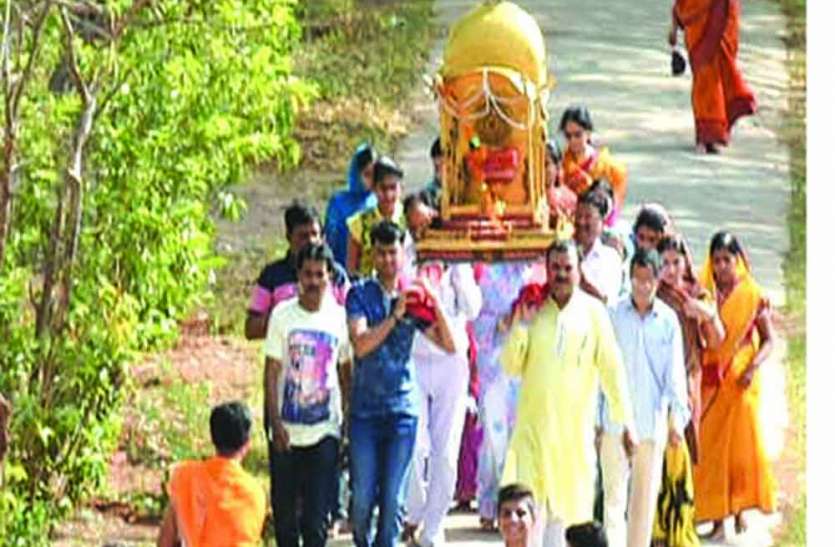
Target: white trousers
{"type": "Point", "coordinates": [547, 531]}
{"type": "Point", "coordinates": [640, 483]}
{"type": "Point", "coordinates": [443, 401]}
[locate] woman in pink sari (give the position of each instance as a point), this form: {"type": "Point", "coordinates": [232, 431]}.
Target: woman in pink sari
{"type": "Point", "coordinates": [720, 96]}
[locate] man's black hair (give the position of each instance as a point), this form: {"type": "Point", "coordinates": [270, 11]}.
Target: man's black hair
{"type": "Point", "coordinates": [387, 232]}
{"type": "Point", "coordinates": [436, 151]}
{"type": "Point", "coordinates": [645, 259]}
{"type": "Point", "coordinates": [414, 198]}
{"type": "Point", "coordinates": [299, 214]}
{"type": "Point", "coordinates": [319, 252]}
{"type": "Point", "coordinates": [230, 425]}
{"type": "Point", "coordinates": [515, 492]}
{"type": "Point", "coordinates": [651, 218]}
{"type": "Point", "coordinates": [596, 200]}
{"type": "Point", "coordinates": [588, 534]}
{"type": "Point", "coordinates": [563, 246]}
{"type": "Point", "coordinates": [385, 166]}
{"type": "Point", "coordinates": [602, 185]}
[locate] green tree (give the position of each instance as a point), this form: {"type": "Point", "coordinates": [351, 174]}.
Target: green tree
{"type": "Point", "coordinates": [126, 122]}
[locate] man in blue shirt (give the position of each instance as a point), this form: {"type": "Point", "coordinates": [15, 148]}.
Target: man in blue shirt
{"type": "Point", "coordinates": [650, 339]}
{"type": "Point", "coordinates": [384, 398]}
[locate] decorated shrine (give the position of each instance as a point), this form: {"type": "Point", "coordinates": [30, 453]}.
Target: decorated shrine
{"type": "Point", "coordinates": [492, 91]}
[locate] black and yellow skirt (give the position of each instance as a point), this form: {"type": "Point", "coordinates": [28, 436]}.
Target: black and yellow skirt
{"type": "Point", "coordinates": [675, 516]}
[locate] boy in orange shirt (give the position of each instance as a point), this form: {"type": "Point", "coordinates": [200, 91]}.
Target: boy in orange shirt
{"type": "Point", "coordinates": [214, 501]}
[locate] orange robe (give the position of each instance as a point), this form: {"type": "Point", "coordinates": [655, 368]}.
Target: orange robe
{"type": "Point", "coordinates": [720, 96]}
{"type": "Point", "coordinates": [579, 177]}
{"type": "Point", "coordinates": [217, 503]}
{"type": "Point", "coordinates": [733, 473]}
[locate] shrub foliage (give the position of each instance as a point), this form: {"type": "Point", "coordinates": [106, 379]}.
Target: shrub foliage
{"type": "Point", "coordinates": [125, 123]}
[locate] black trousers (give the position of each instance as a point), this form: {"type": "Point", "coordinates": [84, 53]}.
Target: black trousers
{"type": "Point", "coordinates": [306, 473]}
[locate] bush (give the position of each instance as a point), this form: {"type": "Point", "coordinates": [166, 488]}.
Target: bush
{"type": "Point", "coordinates": [129, 130]}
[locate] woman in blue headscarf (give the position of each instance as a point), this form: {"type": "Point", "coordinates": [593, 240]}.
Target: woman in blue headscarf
{"type": "Point", "coordinates": [356, 197]}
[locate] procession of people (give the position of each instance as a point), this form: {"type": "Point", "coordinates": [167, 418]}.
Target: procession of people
{"type": "Point", "coordinates": [604, 392]}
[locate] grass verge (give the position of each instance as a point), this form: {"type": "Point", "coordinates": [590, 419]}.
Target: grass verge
{"type": "Point", "coordinates": [365, 58]}
{"type": "Point", "coordinates": [793, 134]}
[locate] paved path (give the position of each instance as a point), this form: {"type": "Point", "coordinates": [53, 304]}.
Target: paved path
{"type": "Point", "coordinates": [612, 56]}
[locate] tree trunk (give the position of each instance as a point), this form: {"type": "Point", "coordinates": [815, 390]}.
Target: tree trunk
{"type": "Point", "coordinates": [6, 194]}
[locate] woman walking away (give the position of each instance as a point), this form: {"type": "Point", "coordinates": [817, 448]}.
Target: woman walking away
{"type": "Point", "coordinates": [720, 96]}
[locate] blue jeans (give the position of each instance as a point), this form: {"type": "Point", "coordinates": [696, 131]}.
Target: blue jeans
{"type": "Point", "coordinates": [381, 451]}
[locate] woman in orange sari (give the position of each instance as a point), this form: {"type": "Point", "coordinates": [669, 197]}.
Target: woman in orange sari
{"type": "Point", "coordinates": [720, 96]}
{"type": "Point", "coordinates": [733, 473]}
{"type": "Point", "coordinates": [583, 164]}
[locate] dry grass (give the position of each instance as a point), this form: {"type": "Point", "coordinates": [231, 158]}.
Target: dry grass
{"type": "Point", "coordinates": [366, 62]}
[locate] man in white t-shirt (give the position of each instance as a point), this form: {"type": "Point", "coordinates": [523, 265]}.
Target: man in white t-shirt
{"type": "Point", "coordinates": [307, 372]}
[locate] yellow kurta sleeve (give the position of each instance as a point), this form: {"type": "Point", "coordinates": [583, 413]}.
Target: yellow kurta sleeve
{"type": "Point", "coordinates": [514, 355]}
{"type": "Point", "coordinates": [609, 362]}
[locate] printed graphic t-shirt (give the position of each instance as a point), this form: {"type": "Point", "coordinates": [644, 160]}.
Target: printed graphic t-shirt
{"type": "Point", "coordinates": [309, 346]}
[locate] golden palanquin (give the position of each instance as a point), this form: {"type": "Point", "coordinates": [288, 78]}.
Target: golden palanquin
{"type": "Point", "coordinates": [492, 92]}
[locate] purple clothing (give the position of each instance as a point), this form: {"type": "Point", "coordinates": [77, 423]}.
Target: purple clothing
{"type": "Point", "coordinates": [467, 484]}
{"type": "Point", "coordinates": [500, 285]}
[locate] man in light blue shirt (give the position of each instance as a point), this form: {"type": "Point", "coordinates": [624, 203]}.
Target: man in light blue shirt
{"type": "Point", "coordinates": [650, 339]}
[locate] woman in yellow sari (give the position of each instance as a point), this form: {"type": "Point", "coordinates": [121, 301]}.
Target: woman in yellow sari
{"type": "Point", "coordinates": [733, 473]}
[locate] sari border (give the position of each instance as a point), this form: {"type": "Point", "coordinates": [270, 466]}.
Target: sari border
{"type": "Point", "coordinates": [740, 107]}
{"type": "Point", "coordinates": [711, 132]}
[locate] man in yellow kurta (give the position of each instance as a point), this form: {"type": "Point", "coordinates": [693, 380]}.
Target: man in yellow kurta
{"type": "Point", "coordinates": [563, 350]}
